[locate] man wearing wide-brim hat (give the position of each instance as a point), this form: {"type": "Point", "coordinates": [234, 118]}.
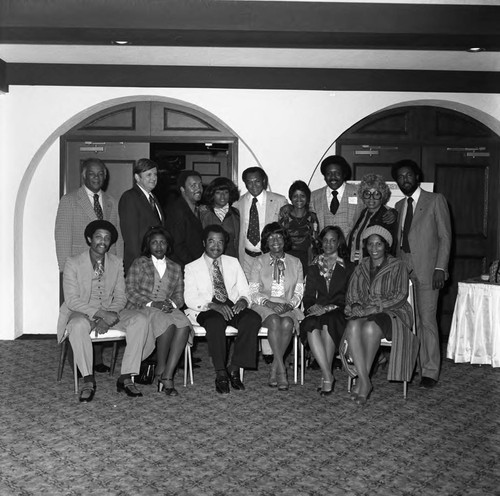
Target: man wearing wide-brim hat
{"type": "Point", "coordinates": [94, 294]}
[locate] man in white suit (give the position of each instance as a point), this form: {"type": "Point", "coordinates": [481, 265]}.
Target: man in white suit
{"type": "Point", "coordinates": [337, 203]}
{"type": "Point", "coordinates": [217, 295]}
{"type": "Point", "coordinates": [424, 244]}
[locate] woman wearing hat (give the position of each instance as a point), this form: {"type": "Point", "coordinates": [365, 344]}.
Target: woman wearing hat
{"type": "Point", "coordinates": [377, 307]}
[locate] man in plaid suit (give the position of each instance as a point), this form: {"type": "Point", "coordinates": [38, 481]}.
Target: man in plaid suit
{"type": "Point", "coordinates": [76, 210]}
{"type": "Point", "coordinates": [336, 204]}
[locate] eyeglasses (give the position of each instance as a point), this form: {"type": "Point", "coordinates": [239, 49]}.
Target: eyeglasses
{"type": "Point", "coordinates": [376, 195]}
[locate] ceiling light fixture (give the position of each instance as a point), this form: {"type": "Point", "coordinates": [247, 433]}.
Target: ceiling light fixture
{"type": "Point", "coordinates": [475, 49]}
{"type": "Point", "coordinates": [120, 42]}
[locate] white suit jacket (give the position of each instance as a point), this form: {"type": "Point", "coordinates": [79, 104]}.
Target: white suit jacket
{"type": "Point", "coordinates": [198, 288]}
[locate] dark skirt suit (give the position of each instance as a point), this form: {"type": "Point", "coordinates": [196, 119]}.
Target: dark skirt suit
{"type": "Point", "coordinates": [316, 291]}
{"type": "Point", "coordinates": [140, 284]}
{"type": "Point", "coordinates": [388, 290]}
{"type": "Point", "coordinates": [231, 225]}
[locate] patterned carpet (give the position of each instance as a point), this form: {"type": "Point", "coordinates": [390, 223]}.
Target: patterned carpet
{"type": "Point", "coordinates": [258, 442]}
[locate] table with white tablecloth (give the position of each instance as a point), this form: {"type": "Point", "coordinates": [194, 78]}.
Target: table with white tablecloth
{"type": "Point", "coordinates": [475, 327]}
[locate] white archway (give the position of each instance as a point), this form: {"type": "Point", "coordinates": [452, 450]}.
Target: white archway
{"type": "Point", "coordinates": [22, 193]}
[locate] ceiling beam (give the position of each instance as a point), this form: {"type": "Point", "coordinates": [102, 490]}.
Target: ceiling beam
{"type": "Point", "coordinates": [253, 78]}
{"type": "Point", "coordinates": [247, 23]}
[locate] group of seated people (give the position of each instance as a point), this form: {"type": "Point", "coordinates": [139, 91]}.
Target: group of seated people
{"type": "Point", "coordinates": [354, 294]}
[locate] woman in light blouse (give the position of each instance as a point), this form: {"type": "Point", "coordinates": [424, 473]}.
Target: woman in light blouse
{"type": "Point", "coordinates": [155, 286]}
{"type": "Point", "coordinates": [276, 289]}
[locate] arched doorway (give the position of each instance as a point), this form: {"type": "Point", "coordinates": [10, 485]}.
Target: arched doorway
{"type": "Point", "coordinates": [175, 136]}
{"type": "Point", "coordinates": [460, 156]}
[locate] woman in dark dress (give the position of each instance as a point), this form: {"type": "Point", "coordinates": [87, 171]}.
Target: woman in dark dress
{"type": "Point", "coordinates": [155, 287]}
{"type": "Point", "coordinates": [301, 223]}
{"type": "Point", "coordinates": [375, 194]}
{"type": "Point", "coordinates": [324, 300]}
{"type": "Point", "coordinates": [377, 307]}
{"type": "Point", "coordinates": [218, 198]}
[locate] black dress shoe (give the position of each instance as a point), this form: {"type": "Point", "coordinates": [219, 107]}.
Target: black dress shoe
{"type": "Point", "coordinates": [234, 378]}
{"type": "Point", "coordinates": [427, 382]}
{"type": "Point", "coordinates": [101, 368]}
{"type": "Point", "coordinates": [268, 358]}
{"type": "Point", "coordinates": [129, 388]}
{"type": "Point", "coordinates": [222, 384]}
{"type": "Point", "coordinates": [87, 392]}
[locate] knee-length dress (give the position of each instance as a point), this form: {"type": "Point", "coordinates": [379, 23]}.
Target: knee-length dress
{"type": "Point", "coordinates": [319, 291]}
{"type": "Point", "coordinates": [289, 289]}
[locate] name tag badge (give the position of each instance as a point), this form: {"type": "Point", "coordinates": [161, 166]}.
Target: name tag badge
{"type": "Point", "coordinates": [353, 200]}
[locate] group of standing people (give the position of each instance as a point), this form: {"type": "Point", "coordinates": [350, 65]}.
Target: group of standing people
{"type": "Point", "coordinates": [242, 261]}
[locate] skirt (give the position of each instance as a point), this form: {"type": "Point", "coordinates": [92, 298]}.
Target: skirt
{"type": "Point", "coordinates": [334, 320]}
{"type": "Point", "coordinates": [159, 321]}
{"type": "Point", "coordinates": [296, 314]}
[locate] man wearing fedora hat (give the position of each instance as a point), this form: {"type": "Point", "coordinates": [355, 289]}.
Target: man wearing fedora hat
{"type": "Point", "coordinates": [94, 301]}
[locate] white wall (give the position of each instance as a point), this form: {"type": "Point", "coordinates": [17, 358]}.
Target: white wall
{"type": "Point", "coordinates": [287, 132]}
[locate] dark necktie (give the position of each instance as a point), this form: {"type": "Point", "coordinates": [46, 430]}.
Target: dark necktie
{"type": "Point", "coordinates": [334, 204]}
{"type": "Point", "coordinates": [220, 292]}
{"type": "Point", "coordinates": [253, 233]}
{"type": "Point", "coordinates": [153, 205]}
{"type": "Point", "coordinates": [97, 207]}
{"type": "Point", "coordinates": [405, 245]}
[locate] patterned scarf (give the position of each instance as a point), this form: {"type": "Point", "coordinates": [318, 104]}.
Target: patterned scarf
{"type": "Point", "coordinates": [279, 268]}
{"type": "Point", "coordinates": [324, 271]}
{"type": "Point", "coordinates": [221, 212]}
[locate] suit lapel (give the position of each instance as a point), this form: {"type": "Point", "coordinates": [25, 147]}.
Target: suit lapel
{"type": "Point", "coordinates": [84, 202]}
{"type": "Point", "coordinates": [420, 209]}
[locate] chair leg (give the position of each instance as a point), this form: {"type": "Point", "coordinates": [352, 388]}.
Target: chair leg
{"type": "Point", "coordinates": [295, 358]}
{"type": "Point", "coordinates": [349, 383]}
{"type": "Point", "coordinates": [186, 351]}
{"type": "Point", "coordinates": [75, 375]}
{"type": "Point", "coordinates": [62, 359]}
{"type": "Point", "coordinates": [302, 363]}
{"type": "Point", "coordinates": [242, 371]}
{"type": "Point", "coordinates": [114, 354]}
{"type": "Point", "coordinates": [405, 389]}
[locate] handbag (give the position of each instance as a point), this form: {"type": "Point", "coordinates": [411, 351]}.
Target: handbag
{"type": "Point", "coordinates": [146, 373]}
{"type": "Point", "coordinates": [495, 272]}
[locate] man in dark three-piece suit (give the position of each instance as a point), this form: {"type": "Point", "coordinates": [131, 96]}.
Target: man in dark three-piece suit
{"type": "Point", "coordinates": [139, 209]}
{"type": "Point", "coordinates": [183, 221]}
{"type": "Point", "coordinates": [424, 244]}
{"type": "Point", "coordinates": [94, 301]}
{"type": "Point", "coordinates": [337, 203]}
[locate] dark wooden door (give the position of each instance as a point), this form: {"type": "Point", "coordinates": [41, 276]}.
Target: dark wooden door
{"type": "Point", "coordinates": [456, 153]}
{"type": "Point", "coordinates": [468, 179]}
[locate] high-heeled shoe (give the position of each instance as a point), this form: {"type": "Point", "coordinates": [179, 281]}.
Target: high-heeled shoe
{"type": "Point", "coordinates": [325, 391]}
{"type": "Point", "coordinates": [320, 387]}
{"type": "Point", "coordinates": [169, 389]}
{"type": "Point", "coordinates": [282, 381]}
{"type": "Point", "coordinates": [362, 399]}
{"type": "Point", "coordinates": [272, 382]}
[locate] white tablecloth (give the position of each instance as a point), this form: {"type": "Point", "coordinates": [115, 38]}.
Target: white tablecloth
{"type": "Point", "coordinates": [475, 328]}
